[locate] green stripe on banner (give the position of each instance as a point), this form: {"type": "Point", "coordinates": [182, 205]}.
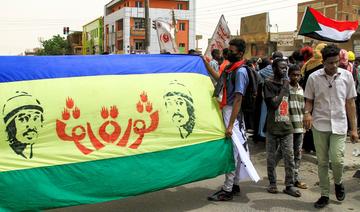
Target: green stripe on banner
{"type": "Point", "coordinates": [110, 179]}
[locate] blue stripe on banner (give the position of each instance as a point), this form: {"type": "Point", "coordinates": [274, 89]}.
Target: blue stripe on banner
{"type": "Point", "coordinates": [21, 68]}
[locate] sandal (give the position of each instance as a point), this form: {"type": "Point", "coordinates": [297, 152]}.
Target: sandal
{"type": "Point", "coordinates": [221, 196]}
{"type": "Point", "coordinates": [301, 185]}
{"type": "Point", "coordinates": [292, 191]}
{"type": "Point", "coordinates": [272, 189]}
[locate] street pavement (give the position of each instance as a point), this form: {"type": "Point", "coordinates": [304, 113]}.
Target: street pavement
{"type": "Point", "coordinates": [253, 197]}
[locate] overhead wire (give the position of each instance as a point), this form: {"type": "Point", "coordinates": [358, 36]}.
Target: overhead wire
{"type": "Point", "coordinates": [254, 3]}
{"type": "Point", "coordinates": [231, 12]}
{"type": "Point", "coordinates": [219, 5]}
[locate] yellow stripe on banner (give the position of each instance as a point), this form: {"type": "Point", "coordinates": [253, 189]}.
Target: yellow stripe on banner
{"type": "Point", "coordinates": [67, 120]}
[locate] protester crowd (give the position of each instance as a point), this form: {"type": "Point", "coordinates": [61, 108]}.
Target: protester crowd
{"type": "Point", "coordinates": [304, 102]}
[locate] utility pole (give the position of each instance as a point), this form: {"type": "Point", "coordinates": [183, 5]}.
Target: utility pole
{"type": "Point", "coordinates": [147, 27]}
{"type": "Point", "coordinates": [174, 24]}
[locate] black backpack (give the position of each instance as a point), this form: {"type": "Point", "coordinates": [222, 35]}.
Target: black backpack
{"type": "Point", "coordinates": [249, 99]}
{"type": "Point", "coordinates": [248, 104]}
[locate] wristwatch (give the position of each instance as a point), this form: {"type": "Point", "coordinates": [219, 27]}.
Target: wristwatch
{"type": "Point", "coordinates": [307, 112]}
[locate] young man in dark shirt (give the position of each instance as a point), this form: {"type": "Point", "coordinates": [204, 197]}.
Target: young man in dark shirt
{"type": "Point", "coordinates": [279, 130]}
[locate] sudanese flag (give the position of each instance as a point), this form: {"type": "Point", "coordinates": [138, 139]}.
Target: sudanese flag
{"type": "Point", "coordinates": [316, 25]}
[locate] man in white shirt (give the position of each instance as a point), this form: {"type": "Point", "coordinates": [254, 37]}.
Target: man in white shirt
{"type": "Point", "coordinates": [330, 99]}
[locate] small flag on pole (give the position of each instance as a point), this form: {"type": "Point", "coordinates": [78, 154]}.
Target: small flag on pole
{"type": "Point", "coordinates": [316, 25]}
{"type": "Point", "coordinates": [220, 39]}
{"type": "Point", "coordinates": [166, 37]}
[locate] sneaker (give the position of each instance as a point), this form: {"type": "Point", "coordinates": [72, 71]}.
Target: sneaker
{"type": "Point", "coordinates": [340, 192]}
{"type": "Point", "coordinates": [236, 190]}
{"type": "Point", "coordinates": [221, 195]}
{"type": "Point", "coordinates": [322, 202]}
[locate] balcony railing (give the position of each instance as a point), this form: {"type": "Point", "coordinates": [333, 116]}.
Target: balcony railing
{"type": "Point", "coordinates": [137, 31]}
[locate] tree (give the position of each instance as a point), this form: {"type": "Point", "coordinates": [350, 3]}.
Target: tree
{"type": "Point", "coordinates": [57, 45]}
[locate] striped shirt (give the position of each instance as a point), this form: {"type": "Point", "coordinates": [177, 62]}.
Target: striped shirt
{"type": "Point", "coordinates": [297, 107]}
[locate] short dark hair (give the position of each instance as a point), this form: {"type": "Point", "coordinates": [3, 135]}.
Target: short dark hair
{"type": "Point", "coordinates": [277, 61]}
{"type": "Point", "coordinates": [225, 51]}
{"type": "Point", "coordinates": [297, 56]}
{"type": "Point", "coordinates": [239, 44]}
{"type": "Point", "coordinates": [264, 62]}
{"type": "Point", "coordinates": [192, 52]}
{"type": "Point", "coordinates": [249, 62]}
{"type": "Point", "coordinates": [330, 51]}
{"type": "Point", "coordinates": [215, 51]}
{"type": "Point", "coordinates": [276, 55]}
{"type": "Point", "coordinates": [293, 67]}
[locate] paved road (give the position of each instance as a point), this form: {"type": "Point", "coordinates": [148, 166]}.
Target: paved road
{"type": "Point", "coordinates": [253, 197]}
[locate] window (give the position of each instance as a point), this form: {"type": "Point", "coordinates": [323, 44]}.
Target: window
{"type": "Point", "coordinates": [120, 45]}
{"type": "Point", "coordinates": [358, 12]}
{"type": "Point", "coordinates": [112, 28]}
{"type": "Point", "coordinates": [112, 48]}
{"type": "Point", "coordinates": [139, 44]}
{"type": "Point", "coordinates": [179, 6]}
{"type": "Point", "coordinates": [94, 33]}
{"type": "Point", "coordinates": [139, 23]}
{"type": "Point", "coordinates": [138, 4]}
{"type": "Point", "coordinates": [119, 24]}
{"type": "Point", "coordinates": [347, 17]}
{"type": "Point", "coordinates": [182, 48]}
{"type": "Point", "coordinates": [348, 2]}
{"type": "Point", "coordinates": [182, 27]}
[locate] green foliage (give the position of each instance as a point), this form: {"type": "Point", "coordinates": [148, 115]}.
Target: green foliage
{"type": "Point", "coordinates": [57, 45]}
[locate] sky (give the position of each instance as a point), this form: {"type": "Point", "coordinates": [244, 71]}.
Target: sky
{"type": "Point", "coordinates": [24, 23]}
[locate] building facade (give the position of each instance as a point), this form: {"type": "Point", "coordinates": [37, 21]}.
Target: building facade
{"type": "Point", "coordinates": [255, 31]}
{"type": "Point", "coordinates": [75, 43]}
{"type": "Point", "coordinates": [124, 25]}
{"type": "Point", "coordinates": [93, 36]}
{"type": "Point", "coordinates": [343, 10]}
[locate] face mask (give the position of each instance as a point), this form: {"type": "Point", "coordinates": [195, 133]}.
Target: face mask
{"type": "Point", "coordinates": [233, 57]}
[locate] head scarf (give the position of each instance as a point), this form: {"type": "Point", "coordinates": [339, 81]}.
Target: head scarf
{"type": "Point", "coordinates": [315, 61]}
{"type": "Point", "coordinates": [344, 60]}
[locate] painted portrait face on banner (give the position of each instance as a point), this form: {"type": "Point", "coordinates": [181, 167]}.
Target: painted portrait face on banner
{"type": "Point", "coordinates": [23, 118]}
{"type": "Point", "coordinates": [179, 106]}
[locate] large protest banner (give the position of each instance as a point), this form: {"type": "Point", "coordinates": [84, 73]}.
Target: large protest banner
{"type": "Point", "coordinates": [88, 129]}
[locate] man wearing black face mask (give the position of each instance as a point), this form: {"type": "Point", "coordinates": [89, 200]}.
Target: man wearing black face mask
{"type": "Point", "coordinates": [234, 81]}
